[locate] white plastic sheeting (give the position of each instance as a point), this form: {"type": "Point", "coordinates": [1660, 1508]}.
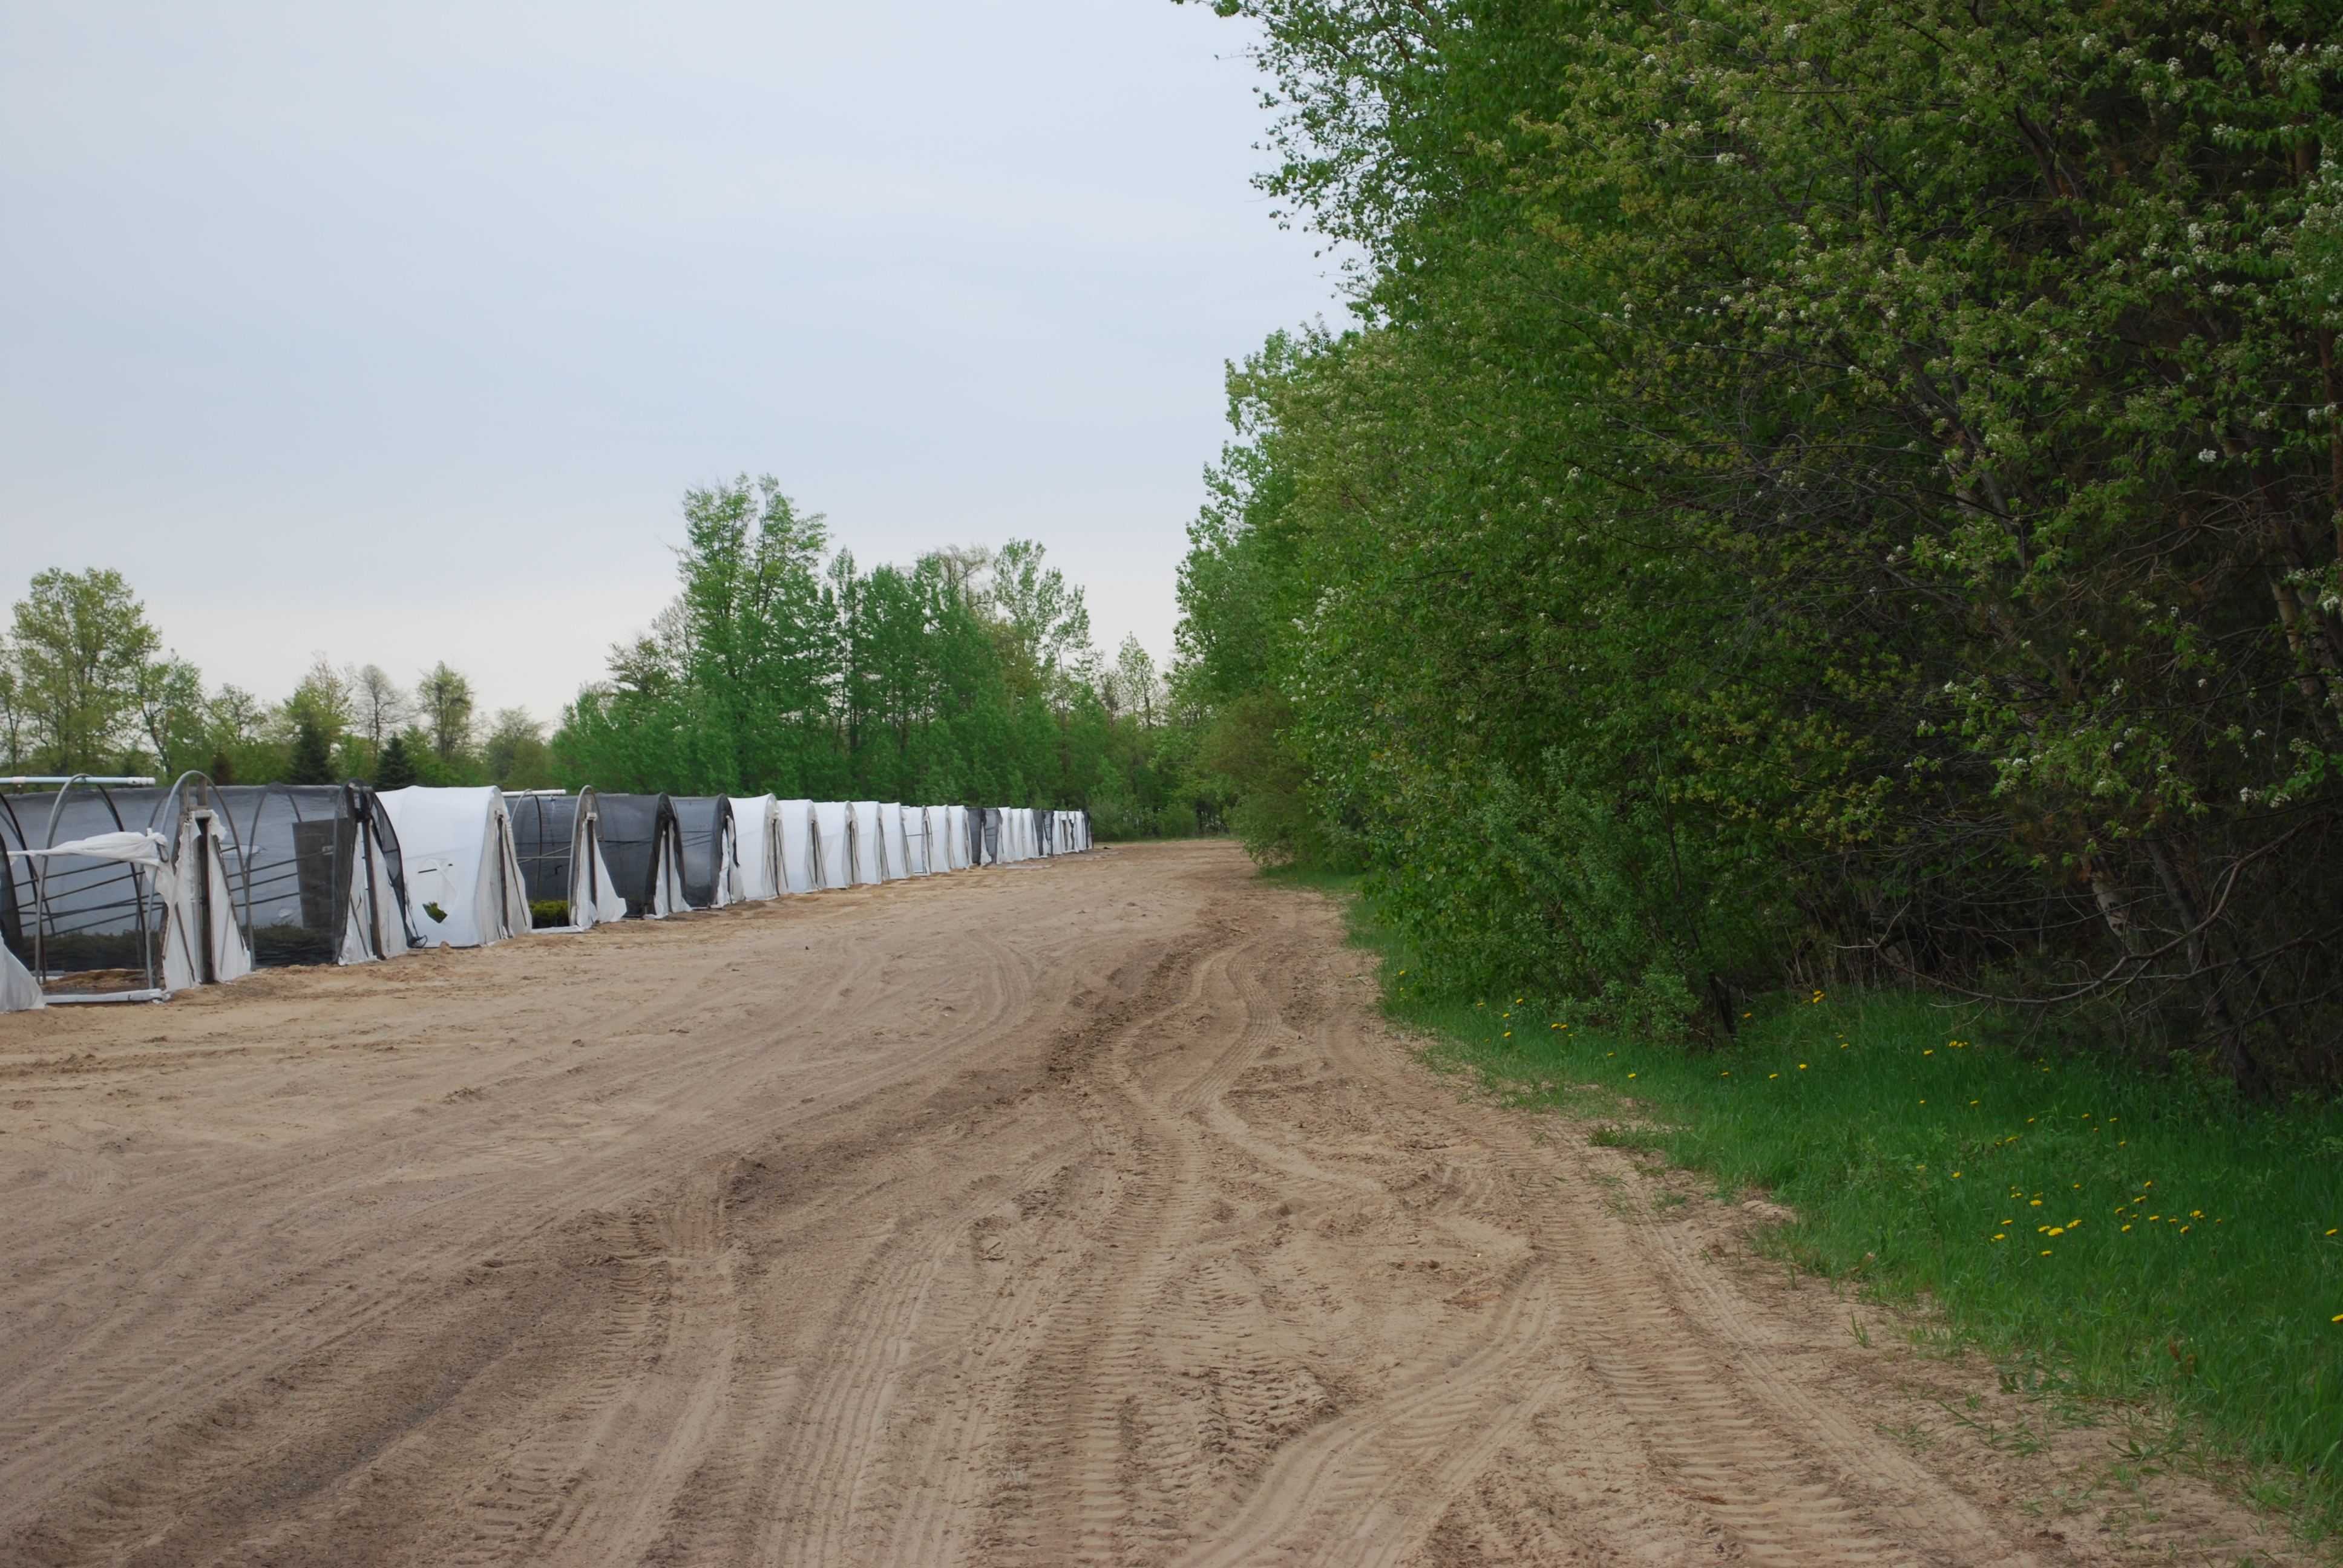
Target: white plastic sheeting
{"type": "Point", "coordinates": [956, 837]}
{"type": "Point", "coordinates": [793, 821]}
{"type": "Point", "coordinates": [896, 837]}
{"type": "Point", "coordinates": [868, 847]}
{"type": "Point", "coordinates": [594, 897]}
{"type": "Point", "coordinates": [455, 847]}
{"type": "Point", "coordinates": [757, 840]}
{"type": "Point", "coordinates": [19, 991]}
{"type": "Point", "coordinates": [834, 836]}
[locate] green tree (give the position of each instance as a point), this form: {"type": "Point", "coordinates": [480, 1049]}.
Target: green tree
{"type": "Point", "coordinates": [444, 699]}
{"type": "Point", "coordinates": [172, 717]}
{"type": "Point", "coordinates": [81, 646]}
{"type": "Point", "coordinates": [313, 757]}
{"type": "Point", "coordinates": [514, 755]}
{"type": "Point", "coordinates": [1867, 475]}
{"type": "Point", "coordinates": [394, 768]}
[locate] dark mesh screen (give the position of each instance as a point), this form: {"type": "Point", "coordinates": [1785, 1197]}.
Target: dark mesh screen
{"type": "Point", "coordinates": [94, 910]}
{"type": "Point", "coordinates": [300, 848]}
{"type": "Point", "coordinates": [633, 829]}
{"type": "Point", "coordinates": [707, 824]}
{"type": "Point", "coordinates": [545, 831]}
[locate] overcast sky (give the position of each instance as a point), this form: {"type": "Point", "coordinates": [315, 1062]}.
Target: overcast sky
{"type": "Point", "coordinates": [397, 332]}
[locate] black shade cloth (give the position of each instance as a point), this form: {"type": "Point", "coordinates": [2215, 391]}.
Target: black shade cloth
{"type": "Point", "coordinates": [545, 840]}
{"type": "Point", "coordinates": [706, 821]}
{"type": "Point", "coordinates": [640, 840]}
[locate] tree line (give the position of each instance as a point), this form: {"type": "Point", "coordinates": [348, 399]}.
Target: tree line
{"type": "Point", "coordinates": [86, 686]}
{"type": "Point", "coordinates": [781, 666]}
{"type": "Point", "coordinates": [784, 664]}
{"type": "Point", "coordinates": [1811, 490]}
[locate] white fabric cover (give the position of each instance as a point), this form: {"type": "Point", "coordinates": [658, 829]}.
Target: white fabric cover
{"type": "Point", "coordinates": [372, 930]}
{"type": "Point", "coordinates": [896, 835]}
{"type": "Point", "coordinates": [757, 840]}
{"type": "Point", "coordinates": [19, 991]}
{"type": "Point", "coordinates": [202, 856]}
{"type": "Point", "coordinates": [956, 841]}
{"type": "Point", "coordinates": [939, 846]}
{"type": "Point", "coordinates": [457, 847]}
{"type": "Point", "coordinates": [798, 857]}
{"type": "Point", "coordinates": [593, 901]}
{"type": "Point", "coordinates": [834, 835]}
{"type": "Point", "coordinates": [868, 843]}
{"type": "Point", "coordinates": [667, 897]}
{"type": "Point", "coordinates": [729, 888]}
{"type": "Point", "coordinates": [141, 849]}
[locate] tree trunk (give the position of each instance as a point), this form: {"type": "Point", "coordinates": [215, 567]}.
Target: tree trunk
{"type": "Point", "coordinates": [2211, 977]}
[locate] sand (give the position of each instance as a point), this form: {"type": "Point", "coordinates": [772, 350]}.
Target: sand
{"type": "Point", "coordinates": [1079, 1211]}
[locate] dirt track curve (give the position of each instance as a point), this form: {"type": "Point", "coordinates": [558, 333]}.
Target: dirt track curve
{"type": "Point", "coordinates": [1072, 1213]}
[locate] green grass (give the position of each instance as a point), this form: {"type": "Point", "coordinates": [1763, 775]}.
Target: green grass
{"type": "Point", "coordinates": [2195, 1266]}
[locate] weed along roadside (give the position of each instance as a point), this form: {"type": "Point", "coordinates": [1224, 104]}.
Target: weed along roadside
{"type": "Point", "coordinates": [2108, 1240]}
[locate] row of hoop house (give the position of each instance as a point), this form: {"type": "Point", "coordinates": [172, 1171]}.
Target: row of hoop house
{"type": "Point", "coordinates": [130, 894]}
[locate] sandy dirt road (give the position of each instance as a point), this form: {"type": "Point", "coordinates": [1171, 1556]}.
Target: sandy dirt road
{"type": "Point", "coordinates": [1074, 1212]}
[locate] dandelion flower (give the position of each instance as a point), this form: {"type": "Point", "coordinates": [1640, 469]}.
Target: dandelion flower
{"type": "Point", "coordinates": [1801, 1067]}
{"type": "Point", "coordinates": [2126, 1227]}
{"type": "Point", "coordinates": [2046, 1252]}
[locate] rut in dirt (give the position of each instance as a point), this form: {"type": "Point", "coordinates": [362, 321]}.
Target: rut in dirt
{"type": "Point", "coordinates": [1078, 1213]}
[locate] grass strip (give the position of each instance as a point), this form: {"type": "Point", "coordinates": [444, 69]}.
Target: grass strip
{"type": "Point", "coordinates": [2101, 1230]}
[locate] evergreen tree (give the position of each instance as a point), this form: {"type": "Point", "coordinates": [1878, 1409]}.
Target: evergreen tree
{"type": "Point", "coordinates": [395, 770]}
{"type": "Point", "coordinates": [313, 757]}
